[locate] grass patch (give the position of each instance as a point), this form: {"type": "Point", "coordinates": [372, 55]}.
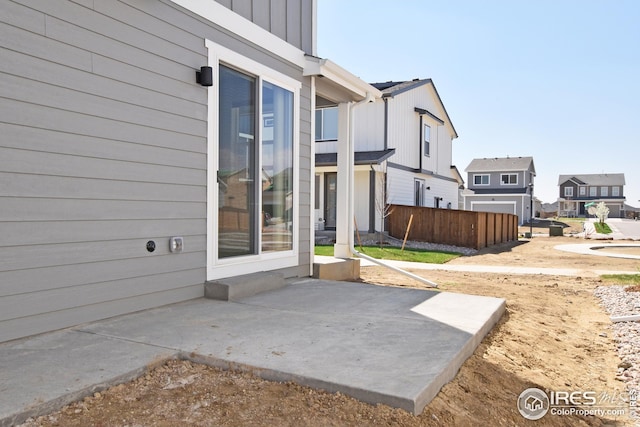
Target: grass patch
{"type": "Point", "coordinates": [392, 253]}
{"type": "Point", "coordinates": [602, 228]}
{"type": "Point", "coordinates": [622, 279]}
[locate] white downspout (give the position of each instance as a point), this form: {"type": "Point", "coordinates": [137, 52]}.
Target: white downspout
{"type": "Point", "coordinates": [350, 189]}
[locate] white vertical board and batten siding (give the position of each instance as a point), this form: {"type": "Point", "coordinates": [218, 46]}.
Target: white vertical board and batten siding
{"type": "Point", "coordinates": [406, 135]}
{"type": "Point", "coordinates": [404, 130]}
{"type": "Point", "coordinates": [368, 127]}
{"type": "Point", "coordinates": [104, 147]}
{"type": "Point", "coordinates": [402, 183]}
{"type": "Point", "coordinates": [280, 17]}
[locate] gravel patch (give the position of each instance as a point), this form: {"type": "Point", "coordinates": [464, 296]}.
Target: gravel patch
{"type": "Point", "coordinates": [618, 302]}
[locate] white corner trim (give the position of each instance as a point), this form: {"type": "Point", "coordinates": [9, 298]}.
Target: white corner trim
{"type": "Point", "coordinates": [229, 20]}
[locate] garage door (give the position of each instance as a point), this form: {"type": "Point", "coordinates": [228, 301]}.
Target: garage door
{"type": "Point", "coordinates": [494, 207]}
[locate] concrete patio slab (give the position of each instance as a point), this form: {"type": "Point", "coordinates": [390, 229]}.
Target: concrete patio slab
{"type": "Point", "coordinates": [41, 374]}
{"type": "Point", "coordinates": [379, 344]}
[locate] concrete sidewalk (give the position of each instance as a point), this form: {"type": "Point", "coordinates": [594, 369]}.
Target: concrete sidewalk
{"type": "Point", "coordinates": [378, 344]}
{"type": "Point", "coordinates": [500, 269]}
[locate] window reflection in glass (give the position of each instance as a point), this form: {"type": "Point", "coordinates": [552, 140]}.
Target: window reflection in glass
{"type": "Point", "coordinates": [236, 164]}
{"type": "Point", "coordinates": [277, 168]}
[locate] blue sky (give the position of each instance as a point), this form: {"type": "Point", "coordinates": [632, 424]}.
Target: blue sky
{"type": "Point", "coordinates": [557, 80]}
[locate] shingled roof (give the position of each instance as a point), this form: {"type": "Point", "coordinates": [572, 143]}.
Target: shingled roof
{"type": "Point", "coordinates": [602, 179]}
{"type": "Point", "coordinates": [390, 89]}
{"type": "Point", "coordinates": [501, 164]}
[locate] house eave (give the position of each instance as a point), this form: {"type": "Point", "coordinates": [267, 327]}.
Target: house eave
{"type": "Point", "coordinates": [360, 158]}
{"type": "Point", "coordinates": [332, 77]}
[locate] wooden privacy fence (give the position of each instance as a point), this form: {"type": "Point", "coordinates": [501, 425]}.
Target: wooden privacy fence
{"type": "Point", "coordinates": [453, 227]}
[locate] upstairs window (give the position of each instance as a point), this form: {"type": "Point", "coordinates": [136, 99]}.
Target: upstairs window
{"type": "Point", "coordinates": [481, 180]}
{"type": "Point", "coordinates": [615, 191]}
{"type": "Point", "coordinates": [593, 191]}
{"type": "Point", "coordinates": [509, 179]}
{"type": "Point", "coordinates": [568, 191]}
{"type": "Point", "coordinates": [327, 124]}
{"type": "Point", "coordinates": [583, 191]}
{"type": "Point", "coordinates": [426, 137]}
{"type": "Point", "coordinates": [604, 191]}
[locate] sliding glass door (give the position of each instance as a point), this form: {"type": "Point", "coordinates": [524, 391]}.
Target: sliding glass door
{"type": "Point", "coordinates": [255, 165]}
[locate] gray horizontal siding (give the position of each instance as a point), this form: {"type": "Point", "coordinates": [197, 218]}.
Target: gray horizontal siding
{"type": "Point", "coordinates": [21, 281]}
{"type": "Point", "coordinates": [24, 257]}
{"type": "Point", "coordinates": [40, 70]}
{"type": "Point", "coordinates": [53, 119]}
{"type": "Point", "coordinates": [52, 141]}
{"type": "Point", "coordinates": [33, 92]}
{"type": "Point", "coordinates": [40, 186]}
{"type": "Point", "coordinates": [42, 209]}
{"type": "Point", "coordinates": [24, 233]}
{"type": "Point", "coordinates": [103, 148]}
{"type": "Point", "coordinates": [43, 163]}
{"type": "Point", "coordinates": [24, 326]}
{"type": "Point", "coordinates": [24, 305]}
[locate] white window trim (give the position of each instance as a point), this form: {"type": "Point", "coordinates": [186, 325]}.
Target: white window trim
{"type": "Point", "coordinates": [482, 174]}
{"type": "Point", "coordinates": [568, 191]}
{"type": "Point", "coordinates": [425, 141]}
{"type": "Point", "coordinates": [228, 267]}
{"type": "Point", "coordinates": [508, 174]}
{"type": "Point", "coordinates": [604, 191]}
{"type": "Point", "coordinates": [583, 190]}
{"type": "Point", "coordinates": [314, 131]}
{"type": "Point", "coordinates": [593, 191]}
{"type": "Point", "coordinates": [236, 24]}
{"type": "Point", "coordinates": [615, 191]}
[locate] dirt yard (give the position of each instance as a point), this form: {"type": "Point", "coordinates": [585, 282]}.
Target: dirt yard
{"type": "Point", "coordinates": [554, 336]}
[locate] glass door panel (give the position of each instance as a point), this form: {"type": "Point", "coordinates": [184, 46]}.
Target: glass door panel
{"type": "Point", "coordinates": [237, 191]}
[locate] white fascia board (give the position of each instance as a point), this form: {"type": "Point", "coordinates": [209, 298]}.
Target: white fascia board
{"type": "Point", "coordinates": [231, 21]}
{"type": "Point", "coordinates": [339, 76]}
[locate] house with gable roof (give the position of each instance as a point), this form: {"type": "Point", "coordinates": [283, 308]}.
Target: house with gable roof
{"type": "Point", "coordinates": [503, 185]}
{"type": "Point", "coordinates": [578, 192]}
{"type": "Point", "coordinates": [150, 148]}
{"type": "Point", "coordinates": [402, 154]}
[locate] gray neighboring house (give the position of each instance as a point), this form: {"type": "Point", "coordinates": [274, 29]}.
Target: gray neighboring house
{"type": "Point", "coordinates": [576, 192]}
{"type": "Point", "coordinates": [111, 151]}
{"type": "Point", "coordinates": [500, 184]}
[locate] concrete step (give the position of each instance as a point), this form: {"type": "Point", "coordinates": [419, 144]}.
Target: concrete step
{"type": "Point", "coordinates": [235, 288]}
{"type": "Point", "coordinates": [329, 268]}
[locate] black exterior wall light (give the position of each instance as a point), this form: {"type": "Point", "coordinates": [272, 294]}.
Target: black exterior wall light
{"type": "Point", "coordinates": [205, 76]}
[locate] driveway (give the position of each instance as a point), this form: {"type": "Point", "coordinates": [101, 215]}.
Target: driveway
{"type": "Point", "coordinates": [628, 227]}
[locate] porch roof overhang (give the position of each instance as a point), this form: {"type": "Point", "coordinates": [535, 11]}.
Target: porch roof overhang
{"type": "Point", "coordinates": [335, 83]}
{"type": "Point", "coordinates": [360, 157]}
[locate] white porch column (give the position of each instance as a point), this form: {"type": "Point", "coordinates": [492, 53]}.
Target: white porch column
{"type": "Point", "coordinates": [344, 204]}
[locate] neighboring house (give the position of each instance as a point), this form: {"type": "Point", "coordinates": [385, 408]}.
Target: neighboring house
{"type": "Point", "coordinates": [549, 210]}
{"type": "Point", "coordinates": [501, 185]}
{"type": "Point", "coordinates": [631, 212]}
{"type": "Point", "coordinates": [110, 148]}
{"type": "Point", "coordinates": [577, 192]}
{"type": "Point", "coordinates": [402, 154]}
